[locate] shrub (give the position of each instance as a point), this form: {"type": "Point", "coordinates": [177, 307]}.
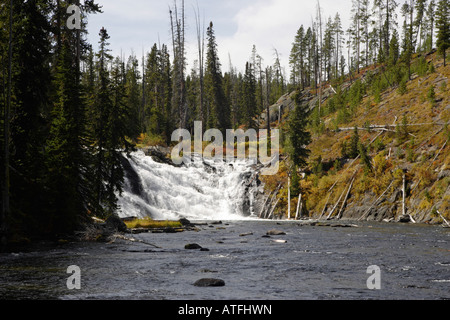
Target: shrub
{"type": "Point", "coordinates": [402, 87]}
{"type": "Point", "coordinates": [431, 95]}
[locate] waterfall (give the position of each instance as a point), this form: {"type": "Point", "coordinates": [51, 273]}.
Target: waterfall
{"type": "Point", "coordinates": [202, 190]}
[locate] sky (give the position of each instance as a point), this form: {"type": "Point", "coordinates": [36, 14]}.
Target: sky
{"type": "Point", "coordinates": [135, 25]}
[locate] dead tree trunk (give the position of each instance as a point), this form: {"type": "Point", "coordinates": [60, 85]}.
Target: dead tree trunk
{"type": "Point", "coordinates": [299, 207]}
{"type": "Point", "coordinates": [5, 187]}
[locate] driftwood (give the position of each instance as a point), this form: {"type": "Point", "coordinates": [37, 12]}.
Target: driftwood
{"type": "Point", "coordinates": [437, 155]}
{"type": "Point", "coordinates": [446, 222]}
{"type": "Point", "coordinates": [431, 137]}
{"type": "Point", "coordinates": [273, 209]}
{"type": "Point", "coordinates": [371, 128]}
{"type": "Point", "coordinates": [336, 205]}
{"type": "Point", "coordinates": [266, 216]}
{"type": "Point", "coordinates": [119, 236]}
{"type": "Point", "coordinates": [264, 206]}
{"type": "Point", "coordinates": [388, 127]}
{"type": "Point", "coordinates": [326, 205]}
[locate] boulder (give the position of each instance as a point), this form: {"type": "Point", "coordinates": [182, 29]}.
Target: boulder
{"type": "Point", "coordinates": [404, 219]}
{"type": "Point", "coordinates": [209, 283]}
{"type": "Point", "coordinates": [192, 246]}
{"type": "Point", "coordinates": [275, 233]}
{"type": "Point", "coordinates": [185, 222]}
{"type": "Point", "coordinates": [114, 223]}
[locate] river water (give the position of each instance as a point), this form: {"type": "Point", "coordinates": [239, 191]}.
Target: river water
{"type": "Point", "coordinates": [315, 262]}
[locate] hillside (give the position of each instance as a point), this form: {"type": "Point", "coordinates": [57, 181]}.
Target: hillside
{"type": "Point", "coordinates": [402, 125]}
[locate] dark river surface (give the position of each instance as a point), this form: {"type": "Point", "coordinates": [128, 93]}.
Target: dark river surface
{"type": "Point", "coordinates": [316, 262]}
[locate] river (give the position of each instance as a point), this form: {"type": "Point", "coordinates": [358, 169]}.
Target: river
{"type": "Point", "coordinates": [316, 262]}
{"type": "Point", "coordinates": [328, 262]}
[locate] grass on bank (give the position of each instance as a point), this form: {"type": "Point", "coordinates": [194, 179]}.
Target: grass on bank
{"type": "Point", "coordinates": [148, 223]}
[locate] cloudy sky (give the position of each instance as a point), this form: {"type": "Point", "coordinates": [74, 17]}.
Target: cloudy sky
{"type": "Point", "coordinates": [135, 25]}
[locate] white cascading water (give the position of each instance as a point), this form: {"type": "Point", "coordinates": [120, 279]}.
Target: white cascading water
{"type": "Point", "coordinates": [203, 190]}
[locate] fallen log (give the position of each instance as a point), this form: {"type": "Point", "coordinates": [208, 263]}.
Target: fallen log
{"type": "Point", "coordinates": [345, 199]}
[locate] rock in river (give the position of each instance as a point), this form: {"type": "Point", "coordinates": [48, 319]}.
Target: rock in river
{"type": "Point", "coordinates": [192, 246]}
{"type": "Point", "coordinates": [209, 283]}
{"type": "Point", "coordinates": [275, 233]}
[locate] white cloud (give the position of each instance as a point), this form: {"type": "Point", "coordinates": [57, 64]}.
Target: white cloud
{"type": "Point", "coordinates": [272, 24]}
{"type": "Point", "coordinates": [238, 24]}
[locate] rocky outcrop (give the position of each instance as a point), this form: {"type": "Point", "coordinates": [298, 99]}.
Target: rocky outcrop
{"type": "Point", "coordinates": [160, 155]}
{"type": "Point", "coordinates": [131, 176]}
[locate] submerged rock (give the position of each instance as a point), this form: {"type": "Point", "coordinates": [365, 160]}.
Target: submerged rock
{"type": "Point", "coordinates": [275, 233]}
{"type": "Point", "coordinates": [209, 283]}
{"type": "Point", "coordinates": [246, 234]}
{"type": "Point", "coordinates": [192, 246]}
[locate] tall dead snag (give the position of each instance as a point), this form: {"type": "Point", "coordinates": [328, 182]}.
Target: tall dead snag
{"type": "Point", "coordinates": [177, 25]}
{"type": "Point", "coordinates": [201, 61]}
{"type": "Point", "coordinates": [299, 207]}
{"type": "Point", "coordinates": [289, 198]}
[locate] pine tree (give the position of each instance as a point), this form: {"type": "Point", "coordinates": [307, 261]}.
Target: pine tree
{"type": "Point", "coordinates": [328, 47]}
{"type": "Point", "coordinates": [393, 50]}
{"type": "Point", "coordinates": [443, 27]}
{"type": "Point", "coordinates": [249, 98]}
{"type": "Point", "coordinates": [296, 58]}
{"type": "Point", "coordinates": [354, 144]}
{"type": "Point", "coordinates": [429, 22]}
{"type": "Point", "coordinates": [133, 97]}
{"type": "Point", "coordinates": [153, 105]}
{"type": "Point", "coordinates": [365, 160]}
{"type": "Point", "coordinates": [101, 107]}
{"type": "Point", "coordinates": [217, 106]}
{"type": "Point", "coordinates": [355, 31]}
{"type": "Point", "coordinates": [65, 152]}
{"type": "Point", "coordinates": [365, 16]}
{"type": "Point", "coordinates": [339, 41]}
{"type": "Point", "coordinates": [299, 137]}
{"type": "Point", "coordinates": [117, 119]}
{"type": "Point", "coordinates": [30, 95]}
